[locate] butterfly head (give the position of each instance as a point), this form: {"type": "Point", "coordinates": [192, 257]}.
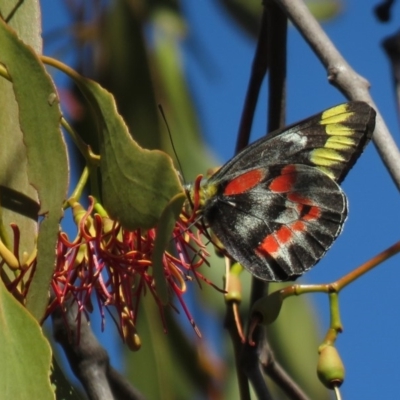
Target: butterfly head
{"type": "Point", "coordinates": [199, 193]}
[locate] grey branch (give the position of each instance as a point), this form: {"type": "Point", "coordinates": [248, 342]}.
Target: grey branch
{"type": "Point", "coordinates": [88, 359]}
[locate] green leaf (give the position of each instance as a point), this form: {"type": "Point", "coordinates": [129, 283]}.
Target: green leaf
{"type": "Point", "coordinates": [39, 117]}
{"type": "Point", "coordinates": [24, 352]}
{"type": "Point", "coordinates": [137, 184]}
{"type": "Point", "coordinates": [25, 18]}
{"type": "Point", "coordinates": [17, 196]}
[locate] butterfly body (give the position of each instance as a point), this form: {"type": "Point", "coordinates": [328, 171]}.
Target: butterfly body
{"type": "Point", "coordinates": [277, 206]}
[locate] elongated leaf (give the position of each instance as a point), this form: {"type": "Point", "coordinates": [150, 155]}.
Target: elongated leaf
{"type": "Point", "coordinates": [137, 184]}
{"type": "Point", "coordinates": [39, 117]}
{"type": "Point", "coordinates": [15, 188]}
{"type": "Point", "coordinates": [24, 353]}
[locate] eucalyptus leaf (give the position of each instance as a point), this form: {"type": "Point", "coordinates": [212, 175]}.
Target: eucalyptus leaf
{"type": "Point", "coordinates": [39, 116]}
{"type": "Point", "coordinates": [24, 352]}
{"type": "Point", "coordinates": [17, 196]}
{"type": "Point", "coordinates": [137, 184]}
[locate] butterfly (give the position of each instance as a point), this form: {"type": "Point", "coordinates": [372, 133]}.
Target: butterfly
{"type": "Point", "coordinates": [277, 206]}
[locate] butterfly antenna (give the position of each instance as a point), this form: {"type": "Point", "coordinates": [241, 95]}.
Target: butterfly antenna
{"type": "Point", "coordinates": [172, 143]}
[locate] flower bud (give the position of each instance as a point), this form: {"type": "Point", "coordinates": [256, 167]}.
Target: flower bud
{"type": "Point", "coordinates": [330, 368]}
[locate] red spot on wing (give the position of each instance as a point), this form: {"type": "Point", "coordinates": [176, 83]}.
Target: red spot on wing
{"type": "Point", "coordinates": [313, 213]}
{"type": "Point", "coordinates": [269, 245]}
{"type": "Point", "coordinates": [289, 169]}
{"type": "Point", "coordinates": [244, 182]}
{"type": "Point", "coordinates": [308, 212]}
{"type": "Point", "coordinates": [298, 226]}
{"type": "Point", "coordinates": [298, 198]}
{"type": "Point", "coordinates": [272, 242]}
{"type": "Point", "coordinates": [284, 234]}
{"type": "Point", "coordinates": [285, 181]}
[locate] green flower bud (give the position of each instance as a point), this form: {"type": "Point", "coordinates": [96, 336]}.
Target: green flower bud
{"type": "Point", "coordinates": [330, 368]}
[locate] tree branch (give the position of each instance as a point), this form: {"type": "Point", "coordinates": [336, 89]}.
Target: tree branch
{"type": "Point", "coordinates": [275, 371]}
{"type": "Point", "coordinates": [88, 359]}
{"type": "Point", "coordinates": [258, 72]}
{"type": "Point", "coordinates": [250, 363]}
{"type": "Point", "coordinates": [277, 53]}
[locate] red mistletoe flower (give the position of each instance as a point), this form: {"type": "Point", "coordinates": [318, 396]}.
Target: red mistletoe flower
{"type": "Point", "coordinates": [114, 266]}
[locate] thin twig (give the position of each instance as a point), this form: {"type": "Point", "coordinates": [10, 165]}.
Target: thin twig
{"type": "Point", "coordinates": [391, 45]}
{"type": "Point", "coordinates": [13, 11]}
{"type": "Point", "coordinates": [258, 71]}
{"type": "Point", "coordinates": [341, 75]}
{"type": "Point", "coordinates": [230, 325]}
{"type": "Point", "coordinates": [277, 49]}
{"type": "Point", "coordinates": [275, 371]}
{"type": "Point", "coordinates": [250, 363]}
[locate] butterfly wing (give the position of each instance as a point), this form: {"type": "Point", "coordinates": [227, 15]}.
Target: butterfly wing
{"type": "Point", "coordinates": [331, 141]}
{"type": "Point", "coordinates": [276, 206]}
{"type": "Point", "coordinates": [281, 226]}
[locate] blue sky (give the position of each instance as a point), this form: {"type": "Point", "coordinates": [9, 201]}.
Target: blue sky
{"type": "Point", "coordinates": [369, 307]}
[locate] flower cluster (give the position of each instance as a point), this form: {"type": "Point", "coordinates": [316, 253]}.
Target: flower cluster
{"type": "Point", "coordinates": [114, 266]}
